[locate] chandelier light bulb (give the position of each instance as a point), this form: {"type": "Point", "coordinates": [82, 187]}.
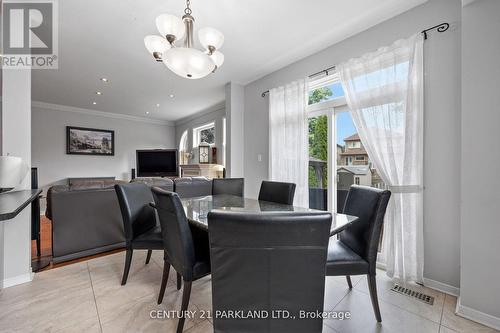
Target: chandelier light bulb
{"type": "Point", "coordinates": [218, 58]}
{"type": "Point", "coordinates": [210, 38]}
{"type": "Point", "coordinates": [156, 45]}
{"type": "Point", "coordinates": [170, 26]}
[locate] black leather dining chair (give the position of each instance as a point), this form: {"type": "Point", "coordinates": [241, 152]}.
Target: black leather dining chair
{"type": "Point", "coordinates": [355, 250]}
{"type": "Point", "coordinates": [232, 186]}
{"type": "Point", "coordinates": [186, 248]}
{"type": "Point", "coordinates": [139, 222]}
{"type": "Point", "coordinates": [268, 262]}
{"type": "Point", "coordinates": [278, 192]}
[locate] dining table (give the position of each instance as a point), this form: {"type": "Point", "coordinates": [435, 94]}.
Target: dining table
{"type": "Point", "coordinates": [197, 209]}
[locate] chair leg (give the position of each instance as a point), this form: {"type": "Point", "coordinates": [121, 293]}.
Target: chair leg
{"type": "Point", "coordinates": [349, 283]}
{"type": "Point", "coordinates": [128, 261]}
{"type": "Point", "coordinates": [372, 285]}
{"type": "Point", "coordinates": [164, 280]}
{"type": "Point", "coordinates": [186, 293]}
{"type": "Point", "coordinates": [179, 281]}
{"type": "Point", "coordinates": [38, 250]}
{"type": "Point", "coordinates": [148, 257]}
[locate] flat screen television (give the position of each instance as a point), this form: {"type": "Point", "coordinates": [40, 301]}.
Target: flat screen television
{"type": "Point", "coordinates": [157, 163]}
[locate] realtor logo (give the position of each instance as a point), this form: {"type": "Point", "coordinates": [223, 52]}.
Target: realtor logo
{"type": "Point", "coordinates": [29, 34]}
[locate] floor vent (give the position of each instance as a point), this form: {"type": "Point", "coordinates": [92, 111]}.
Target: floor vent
{"type": "Point", "coordinates": [414, 294]}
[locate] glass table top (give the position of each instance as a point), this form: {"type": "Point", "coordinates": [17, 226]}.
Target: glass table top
{"type": "Point", "coordinates": [197, 209]}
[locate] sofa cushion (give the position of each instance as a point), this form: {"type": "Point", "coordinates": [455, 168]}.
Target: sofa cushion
{"type": "Point", "coordinates": [163, 183]}
{"type": "Point", "coordinates": [93, 184]}
{"type": "Point", "coordinates": [80, 185]}
{"type": "Point", "coordinates": [89, 180]}
{"type": "Point", "coordinates": [188, 187]}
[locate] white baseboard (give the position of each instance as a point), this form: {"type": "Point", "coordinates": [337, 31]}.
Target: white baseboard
{"type": "Point", "coordinates": [442, 287]}
{"type": "Point", "coordinates": [15, 280]}
{"type": "Point", "coordinates": [477, 316]}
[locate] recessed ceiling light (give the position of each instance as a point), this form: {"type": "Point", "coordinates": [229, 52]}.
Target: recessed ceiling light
{"type": "Point", "coordinates": [98, 93]}
{"type": "Point", "coordinates": [158, 105]}
{"type": "Point", "coordinates": [147, 112]}
{"type": "Point", "coordinates": [103, 79]}
{"type": "Point", "coordinates": [171, 95]}
{"type": "Point", "coordinates": [94, 103]}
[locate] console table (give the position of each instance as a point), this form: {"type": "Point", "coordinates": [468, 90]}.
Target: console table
{"type": "Point", "coordinates": [12, 203]}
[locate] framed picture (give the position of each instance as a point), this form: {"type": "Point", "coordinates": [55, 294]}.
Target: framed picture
{"type": "Point", "coordinates": [89, 141]}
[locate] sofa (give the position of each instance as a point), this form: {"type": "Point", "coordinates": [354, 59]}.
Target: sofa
{"type": "Point", "coordinates": [86, 217]}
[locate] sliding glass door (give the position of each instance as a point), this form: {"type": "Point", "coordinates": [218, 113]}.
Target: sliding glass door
{"type": "Point", "coordinates": [337, 157]}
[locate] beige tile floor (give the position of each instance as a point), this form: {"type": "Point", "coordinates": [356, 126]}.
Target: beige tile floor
{"type": "Point", "coordinates": [87, 297]}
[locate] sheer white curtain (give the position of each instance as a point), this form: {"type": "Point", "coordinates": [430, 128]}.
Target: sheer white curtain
{"type": "Point", "coordinates": [288, 145]}
{"type": "Point", "coordinates": [384, 91]}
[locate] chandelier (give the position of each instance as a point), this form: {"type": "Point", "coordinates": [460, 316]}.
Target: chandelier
{"type": "Point", "coordinates": [185, 60]}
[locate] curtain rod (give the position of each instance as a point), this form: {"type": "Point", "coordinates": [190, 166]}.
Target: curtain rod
{"type": "Point", "coordinates": [439, 28]}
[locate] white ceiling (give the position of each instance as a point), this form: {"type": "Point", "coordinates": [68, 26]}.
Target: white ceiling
{"type": "Point", "coordinates": [105, 39]}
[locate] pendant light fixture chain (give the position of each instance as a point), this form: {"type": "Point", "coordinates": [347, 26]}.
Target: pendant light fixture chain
{"type": "Point", "coordinates": [188, 10]}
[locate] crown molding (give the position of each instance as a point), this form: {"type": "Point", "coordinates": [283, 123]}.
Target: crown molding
{"type": "Point", "coordinates": [467, 2]}
{"type": "Point", "coordinates": [214, 108]}
{"type": "Point", "coordinates": [66, 108]}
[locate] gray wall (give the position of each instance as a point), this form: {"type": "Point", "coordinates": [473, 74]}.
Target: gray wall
{"type": "Point", "coordinates": [235, 110]}
{"type": "Point", "coordinates": [55, 166]}
{"type": "Point", "coordinates": [214, 114]}
{"type": "Point", "coordinates": [480, 261]}
{"type": "Point", "coordinates": [442, 122]}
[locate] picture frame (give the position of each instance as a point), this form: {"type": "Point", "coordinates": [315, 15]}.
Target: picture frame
{"type": "Point", "coordinates": [89, 141]}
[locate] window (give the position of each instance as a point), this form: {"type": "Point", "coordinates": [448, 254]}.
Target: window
{"type": "Point", "coordinates": [205, 133]}
{"type": "Point", "coordinates": [325, 89]}
{"type": "Point", "coordinates": [224, 141]}
{"type": "Point", "coordinates": [353, 144]}
{"type": "Point", "coordinates": [332, 172]}
{"type": "Point", "coordinates": [183, 149]}
{"type": "Point", "coordinates": [318, 161]}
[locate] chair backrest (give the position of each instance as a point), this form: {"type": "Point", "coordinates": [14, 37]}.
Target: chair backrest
{"type": "Point", "coordinates": [138, 216]}
{"type": "Point", "coordinates": [233, 186]}
{"type": "Point", "coordinates": [278, 192]}
{"type": "Point", "coordinates": [177, 237]}
{"type": "Point", "coordinates": [265, 262]}
{"type": "Point", "coordinates": [369, 205]}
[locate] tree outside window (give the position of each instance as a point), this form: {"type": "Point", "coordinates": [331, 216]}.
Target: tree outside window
{"type": "Point", "coordinates": [208, 135]}
{"type": "Point", "coordinates": [318, 138]}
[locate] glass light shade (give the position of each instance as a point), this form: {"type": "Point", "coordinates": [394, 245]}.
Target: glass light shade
{"type": "Point", "coordinates": [170, 25]}
{"type": "Point", "coordinates": [218, 58]}
{"type": "Point", "coordinates": [211, 37]}
{"type": "Point", "coordinates": [12, 172]}
{"type": "Point", "coordinates": [188, 62]}
{"type": "Point", "coordinates": [156, 44]}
